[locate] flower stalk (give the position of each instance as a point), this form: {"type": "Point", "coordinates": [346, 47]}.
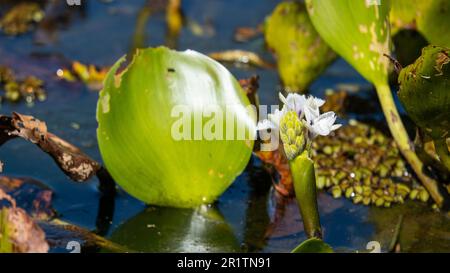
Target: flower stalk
{"type": "Point", "coordinates": [303, 174]}
{"type": "Point", "coordinates": [298, 123]}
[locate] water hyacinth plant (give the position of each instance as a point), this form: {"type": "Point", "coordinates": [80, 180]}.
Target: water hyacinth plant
{"type": "Point", "coordinates": [431, 18]}
{"type": "Point", "coordinates": [302, 55]}
{"type": "Point", "coordinates": [424, 92]}
{"type": "Point", "coordinates": [158, 135]}
{"type": "Point", "coordinates": [298, 123]}
{"type": "Point", "coordinates": [359, 31]}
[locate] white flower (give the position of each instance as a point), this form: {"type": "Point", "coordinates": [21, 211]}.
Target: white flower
{"type": "Point", "coordinates": [273, 121]}
{"type": "Point", "coordinates": [293, 102]}
{"type": "Point", "coordinates": [323, 125]}
{"type": "Point", "coordinates": [311, 108]}
{"type": "Point", "coordinates": [307, 109]}
{"type": "Point", "coordinates": [265, 125]}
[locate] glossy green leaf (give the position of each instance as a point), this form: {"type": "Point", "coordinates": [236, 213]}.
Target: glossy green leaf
{"type": "Point", "coordinates": [313, 245]}
{"type": "Point", "coordinates": [177, 230]}
{"type": "Point", "coordinates": [302, 55]}
{"type": "Point", "coordinates": [155, 134]}
{"type": "Point", "coordinates": [425, 91]}
{"type": "Point", "coordinates": [358, 31]}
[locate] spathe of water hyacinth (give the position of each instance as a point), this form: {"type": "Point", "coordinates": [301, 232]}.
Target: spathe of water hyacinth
{"type": "Point", "coordinates": [149, 139]}
{"type": "Point", "coordinates": [301, 54]}
{"type": "Point", "coordinates": [359, 31]}
{"type": "Point", "coordinates": [424, 92]}
{"type": "Point", "coordinates": [298, 123]}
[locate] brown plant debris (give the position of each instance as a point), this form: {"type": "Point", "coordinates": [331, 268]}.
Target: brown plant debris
{"type": "Point", "coordinates": [245, 34]}
{"type": "Point", "coordinates": [277, 162]}
{"type": "Point", "coordinates": [71, 160]}
{"type": "Point", "coordinates": [251, 86]}
{"type": "Point", "coordinates": [18, 232]}
{"type": "Point", "coordinates": [60, 233]}
{"type": "Point", "coordinates": [240, 56]}
{"type": "Point", "coordinates": [31, 195]}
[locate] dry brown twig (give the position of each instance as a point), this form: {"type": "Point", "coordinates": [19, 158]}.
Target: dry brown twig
{"type": "Point", "coordinates": [71, 160]}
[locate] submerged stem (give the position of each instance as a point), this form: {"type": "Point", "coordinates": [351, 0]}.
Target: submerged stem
{"type": "Point", "coordinates": [401, 137]}
{"type": "Point", "coordinates": [443, 152]}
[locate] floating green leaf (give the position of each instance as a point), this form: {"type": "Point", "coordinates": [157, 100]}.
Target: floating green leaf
{"type": "Point", "coordinates": [313, 245]}
{"type": "Point", "coordinates": [302, 55]}
{"type": "Point", "coordinates": [162, 131]}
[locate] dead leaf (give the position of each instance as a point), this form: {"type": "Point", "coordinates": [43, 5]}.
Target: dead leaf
{"type": "Point", "coordinates": [245, 34]}
{"type": "Point", "coordinates": [251, 86]}
{"type": "Point", "coordinates": [277, 159]}
{"type": "Point", "coordinates": [31, 195]}
{"type": "Point", "coordinates": [18, 232]}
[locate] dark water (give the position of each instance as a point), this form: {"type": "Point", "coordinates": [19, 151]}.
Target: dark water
{"type": "Point", "coordinates": [104, 32]}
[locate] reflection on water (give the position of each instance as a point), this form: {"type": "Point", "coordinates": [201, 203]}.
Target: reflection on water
{"type": "Point", "coordinates": [159, 229]}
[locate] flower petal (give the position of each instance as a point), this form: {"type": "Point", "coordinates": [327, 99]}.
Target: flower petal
{"type": "Point", "coordinates": [265, 124]}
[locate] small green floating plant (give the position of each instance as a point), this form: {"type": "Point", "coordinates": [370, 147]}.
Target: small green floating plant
{"type": "Point", "coordinates": [360, 32]}
{"type": "Point", "coordinates": [161, 132]}
{"type": "Point", "coordinates": [298, 123]}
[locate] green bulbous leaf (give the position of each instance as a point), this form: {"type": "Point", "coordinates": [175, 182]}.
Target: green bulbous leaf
{"type": "Point", "coordinates": [435, 22]}
{"type": "Point", "coordinates": [359, 31]}
{"type": "Point", "coordinates": [160, 131]}
{"type": "Point", "coordinates": [302, 55]}
{"type": "Point", "coordinates": [425, 91]}
{"type": "Point", "coordinates": [313, 245]}
{"type": "Point", "coordinates": [404, 13]}
{"type": "Point", "coordinates": [431, 18]}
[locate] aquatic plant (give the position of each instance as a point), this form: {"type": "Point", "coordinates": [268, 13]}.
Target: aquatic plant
{"type": "Point", "coordinates": [360, 163]}
{"type": "Point", "coordinates": [161, 130]}
{"type": "Point", "coordinates": [431, 18]}
{"type": "Point", "coordinates": [424, 92]}
{"type": "Point", "coordinates": [359, 31]}
{"type": "Point", "coordinates": [298, 123]}
{"type": "Point", "coordinates": [301, 53]}
{"type": "Point", "coordinates": [313, 245]}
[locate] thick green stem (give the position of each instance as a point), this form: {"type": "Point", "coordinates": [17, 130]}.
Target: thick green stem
{"type": "Point", "coordinates": [442, 151]}
{"type": "Point", "coordinates": [401, 137]}
{"type": "Point", "coordinates": [302, 168]}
